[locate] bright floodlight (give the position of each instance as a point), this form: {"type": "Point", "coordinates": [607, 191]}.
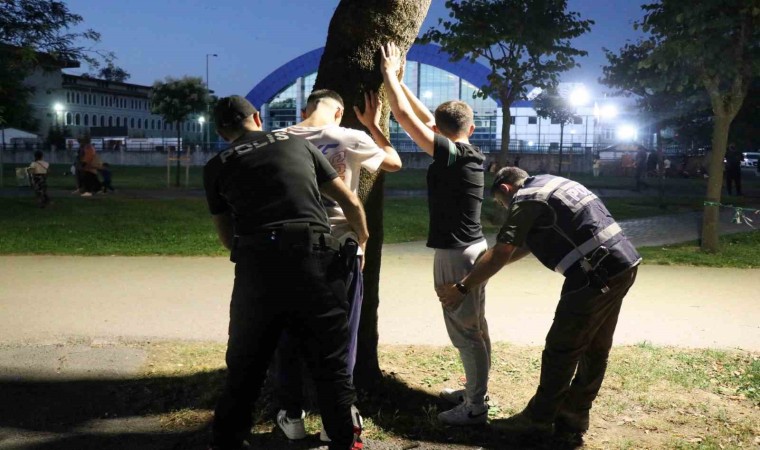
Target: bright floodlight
{"type": "Point", "coordinates": [530, 143]}
{"type": "Point", "coordinates": [609, 111]}
{"type": "Point", "coordinates": [579, 96]}
{"type": "Point", "coordinates": [627, 132]}
{"type": "Point", "coordinates": [201, 120]}
{"type": "Point", "coordinates": [58, 108]}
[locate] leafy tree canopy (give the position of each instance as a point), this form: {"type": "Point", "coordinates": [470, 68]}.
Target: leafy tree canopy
{"type": "Point", "coordinates": [551, 105]}
{"type": "Point", "coordinates": [526, 42]}
{"type": "Point", "coordinates": [178, 99]}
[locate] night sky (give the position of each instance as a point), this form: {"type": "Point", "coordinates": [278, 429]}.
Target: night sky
{"type": "Point", "coordinates": [154, 39]}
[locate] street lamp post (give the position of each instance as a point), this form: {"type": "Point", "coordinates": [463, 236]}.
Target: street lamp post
{"type": "Point", "coordinates": [207, 137]}
{"type": "Point", "coordinates": [579, 97]}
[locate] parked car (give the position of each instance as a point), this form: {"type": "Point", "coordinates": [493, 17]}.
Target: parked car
{"type": "Point", "coordinates": [749, 159]}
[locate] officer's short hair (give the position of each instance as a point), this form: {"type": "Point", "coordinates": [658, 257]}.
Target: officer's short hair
{"type": "Point", "coordinates": [230, 112]}
{"type": "Point", "coordinates": [454, 117]}
{"type": "Point", "coordinates": [320, 94]}
{"type": "Point", "coordinates": [509, 175]}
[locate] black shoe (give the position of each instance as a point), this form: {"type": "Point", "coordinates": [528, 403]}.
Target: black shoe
{"type": "Point", "coordinates": [570, 426]}
{"type": "Point", "coordinates": [523, 422]}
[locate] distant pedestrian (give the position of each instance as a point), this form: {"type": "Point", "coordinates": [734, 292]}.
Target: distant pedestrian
{"type": "Point", "coordinates": [105, 173]}
{"type": "Point", "coordinates": [38, 172]}
{"type": "Point", "coordinates": [90, 163]}
{"type": "Point", "coordinates": [596, 166]}
{"type": "Point", "coordinates": [733, 170]}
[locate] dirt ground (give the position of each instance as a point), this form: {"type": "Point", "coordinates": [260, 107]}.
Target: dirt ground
{"type": "Point", "coordinates": [63, 322]}
{"type": "Point", "coordinates": [56, 297]}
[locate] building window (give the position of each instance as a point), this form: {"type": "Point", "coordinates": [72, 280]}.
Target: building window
{"type": "Point", "coordinates": [110, 121]}
{"type": "Point", "coordinates": [152, 124]}
{"type": "Point", "coordinates": [77, 119]}
{"type": "Point", "coordinates": [68, 97]}
{"type": "Point", "coordinates": [102, 121]}
{"type": "Point", "coordinates": [512, 120]}
{"type": "Point", "coordinates": [132, 123]}
{"type": "Point", "coordinates": [532, 120]}
{"type": "Point", "coordinates": [77, 98]}
{"type": "Point", "coordinates": [139, 123]}
{"type": "Point", "coordinates": [86, 120]}
{"type": "Point", "coordinates": [578, 120]}
{"type": "Point", "coordinates": [68, 118]}
{"type": "Point", "coordinates": [555, 121]}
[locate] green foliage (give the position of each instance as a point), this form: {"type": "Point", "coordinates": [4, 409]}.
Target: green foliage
{"type": "Point", "coordinates": [551, 105]}
{"type": "Point", "coordinates": [37, 34]}
{"type": "Point", "coordinates": [526, 42]}
{"type": "Point", "coordinates": [177, 99]}
{"type": "Point", "coordinates": [113, 73]}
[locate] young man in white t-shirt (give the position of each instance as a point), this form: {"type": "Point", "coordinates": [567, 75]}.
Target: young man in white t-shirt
{"type": "Point", "coordinates": [348, 151]}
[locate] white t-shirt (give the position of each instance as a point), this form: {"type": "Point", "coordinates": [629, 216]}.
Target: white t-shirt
{"type": "Point", "coordinates": [348, 151]}
{"type": "Point", "coordinates": [39, 167]}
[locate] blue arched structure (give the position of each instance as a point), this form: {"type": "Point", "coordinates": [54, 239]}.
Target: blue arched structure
{"type": "Point", "coordinates": [308, 63]}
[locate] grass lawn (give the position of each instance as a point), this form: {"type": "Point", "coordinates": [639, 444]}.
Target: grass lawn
{"type": "Point", "coordinates": [115, 225]}
{"type": "Point", "coordinates": [652, 397]}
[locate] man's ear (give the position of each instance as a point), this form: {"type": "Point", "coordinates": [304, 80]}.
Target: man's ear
{"type": "Point", "coordinates": [303, 114]}
{"type": "Point", "coordinates": [471, 130]}
{"type": "Point", "coordinates": [505, 188]}
{"type": "Point", "coordinates": [436, 130]}
{"type": "Point", "coordinates": [338, 115]}
{"type": "Point", "coordinates": [257, 119]}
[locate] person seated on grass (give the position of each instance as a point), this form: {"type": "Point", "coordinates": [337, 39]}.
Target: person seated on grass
{"type": "Point", "coordinates": [105, 172]}
{"type": "Point", "coordinates": [455, 195]}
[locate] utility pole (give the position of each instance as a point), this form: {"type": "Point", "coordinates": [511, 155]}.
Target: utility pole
{"type": "Point", "coordinates": [208, 138]}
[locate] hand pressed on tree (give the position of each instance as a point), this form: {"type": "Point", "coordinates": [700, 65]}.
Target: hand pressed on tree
{"type": "Point", "coordinates": [372, 110]}
{"type": "Point", "coordinates": [390, 62]}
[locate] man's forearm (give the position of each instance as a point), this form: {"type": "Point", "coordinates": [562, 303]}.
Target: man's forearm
{"type": "Point", "coordinates": [488, 265]}
{"type": "Point", "coordinates": [420, 110]}
{"type": "Point", "coordinates": [357, 220]}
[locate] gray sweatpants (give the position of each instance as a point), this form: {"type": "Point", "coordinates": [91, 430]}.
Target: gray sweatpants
{"type": "Point", "coordinates": [466, 325]}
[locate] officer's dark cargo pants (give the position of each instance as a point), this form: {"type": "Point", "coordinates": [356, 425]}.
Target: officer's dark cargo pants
{"type": "Point", "coordinates": [579, 343]}
{"type": "Point", "coordinates": [274, 291]}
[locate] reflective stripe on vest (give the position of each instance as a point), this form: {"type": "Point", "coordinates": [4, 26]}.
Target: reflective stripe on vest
{"type": "Point", "coordinates": [588, 246]}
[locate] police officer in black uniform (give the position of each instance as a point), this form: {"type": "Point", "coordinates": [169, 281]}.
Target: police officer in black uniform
{"type": "Point", "coordinates": [570, 231]}
{"type": "Point", "coordinates": [264, 196]}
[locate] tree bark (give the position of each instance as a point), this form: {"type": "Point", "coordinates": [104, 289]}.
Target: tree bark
{"type": "Point", "coordinates": [349, 66]}
{"type": "Point", "coordinates": [710, 224]}
{"type": "Point", "coordinates": [506, 124]}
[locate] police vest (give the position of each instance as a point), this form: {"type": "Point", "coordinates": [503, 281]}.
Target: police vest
{"type": "Point", "coordinates": [579, 225]}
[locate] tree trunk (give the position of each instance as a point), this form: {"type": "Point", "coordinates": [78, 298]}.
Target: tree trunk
{"type": "Point", "coordinates": [349, 66]}
{"type": "Point", "coordinates": [506, 124]}
{"type": "Point", "coordinates": [710, 225]}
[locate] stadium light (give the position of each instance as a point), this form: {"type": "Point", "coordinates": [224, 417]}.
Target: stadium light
{"type": "Point", "coordinates": [627, 132]}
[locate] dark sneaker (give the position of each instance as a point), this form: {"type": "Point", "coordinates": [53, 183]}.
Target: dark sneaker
{"type": "Point", "coordinates": [465, 414]}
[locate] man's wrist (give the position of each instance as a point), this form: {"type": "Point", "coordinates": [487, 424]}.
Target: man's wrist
{"type": "Point", "coordinates": [464, 290]}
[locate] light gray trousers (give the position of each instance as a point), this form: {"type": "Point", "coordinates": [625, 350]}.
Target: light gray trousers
{"type": "Point", "coordinates": [466, 325]}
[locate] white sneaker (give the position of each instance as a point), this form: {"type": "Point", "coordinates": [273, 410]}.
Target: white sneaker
{"type": "Point", "coordinates": [86, 194]}
{"type": "Point", "coordinates": [456, 396]}
{"type": "Point", "coordinates": [465, 414]}
{"type": "Point", "coordinates": [294, 429]}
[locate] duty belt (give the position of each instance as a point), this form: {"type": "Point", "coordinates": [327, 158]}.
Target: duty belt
{"type": "Point", "coordinates": [284, 239]}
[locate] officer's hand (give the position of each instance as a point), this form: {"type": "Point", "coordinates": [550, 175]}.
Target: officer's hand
{"type": "Point", "coordinates": [372, 110]}
{"type": "Point", "coordinates": [449, 296]}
